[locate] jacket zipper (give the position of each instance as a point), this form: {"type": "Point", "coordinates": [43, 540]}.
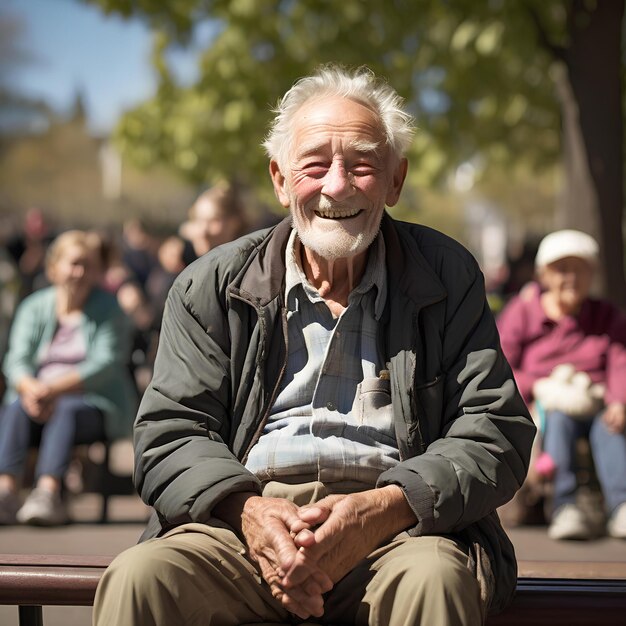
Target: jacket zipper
{"type": "Point", "coordinates": [279, 378]}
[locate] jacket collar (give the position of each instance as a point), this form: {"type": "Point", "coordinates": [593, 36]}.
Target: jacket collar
{"type": "Point", "coordinates": [408, 271]}
{"type": "Point", "coordinates": [263, 278]}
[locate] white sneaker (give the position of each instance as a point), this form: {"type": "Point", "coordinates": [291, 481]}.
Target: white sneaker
{"type": "Point", "coordinates": [616, 525]}
{"type": "Point", "coordinates": [43, 508]}
{"type": "Point", "coordinates": [569, 522]}
{"type": "Point", "coordinates": [9, 505]}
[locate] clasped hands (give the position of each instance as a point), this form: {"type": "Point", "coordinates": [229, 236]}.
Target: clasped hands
{"type": "Point", "coordinates": [303, 551]}
{"type": "Point", "coordinates": [37, 398]}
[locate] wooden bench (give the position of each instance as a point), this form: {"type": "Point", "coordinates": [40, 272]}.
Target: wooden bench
{"type": "Point", "coordinates": [34, 581]}
{"type": "Point", "coordinates": [568, 594]}
{"type": "Point", "coordinates": [548, 593]}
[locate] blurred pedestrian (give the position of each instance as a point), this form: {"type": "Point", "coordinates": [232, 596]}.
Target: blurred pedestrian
{"type": "Point", "coordinates": [134, 302]}
{"type": "Point", "coordinates": [28, 250]}
{"type": "Point", "coordinates": [171, 263]}
{"type": "Point", "coordinates": [66, 377]}
{"type": "Point", "coordinates": [568, 353]}
{"type": "Point", "coordinates": [138, 250]}
{"type": "Point", "coordinates": [216, 217]}
{"type": "Point", "coordinates": [9, 294]}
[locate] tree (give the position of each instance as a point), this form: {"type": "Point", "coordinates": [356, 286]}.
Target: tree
{"type": "Point", "coordinates": [589, 88]}
{"type": "Point", "coordinates": [472, 72]}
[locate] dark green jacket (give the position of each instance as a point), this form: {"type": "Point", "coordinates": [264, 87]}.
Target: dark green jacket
{"type": "Point", "coordinates": [463, 431]}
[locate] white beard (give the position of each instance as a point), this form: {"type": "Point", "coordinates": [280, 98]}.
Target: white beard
{"type": "Point", "coordinates": [331, 239]}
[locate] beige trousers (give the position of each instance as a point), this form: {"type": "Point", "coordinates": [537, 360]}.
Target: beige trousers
{"type": "Point", "coordinates": [200, 575]}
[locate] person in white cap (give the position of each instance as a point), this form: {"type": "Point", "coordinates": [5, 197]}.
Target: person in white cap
{"type": "Point", "coordinates": [568, 353]}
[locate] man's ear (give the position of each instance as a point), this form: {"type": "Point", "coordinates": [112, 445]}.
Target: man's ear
{"type": "Point", "coordinates": [280, 184]}
{"type": "Point", "coordinates": [399, 174]}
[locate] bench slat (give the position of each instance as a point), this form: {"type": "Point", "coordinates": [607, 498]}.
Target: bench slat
{"type": "Point", "coordinates": [55, 560]}
{"type": "Point", "coordinates": [52, 585]}
{"type": "Point", "coordinates": [572, 569]}
{"type": "Point", "coordinates": [570, 602]}
{"type": "Point", "coordinates": [526, 569]}
{"type": "Point", "coordinates": [548, 593]}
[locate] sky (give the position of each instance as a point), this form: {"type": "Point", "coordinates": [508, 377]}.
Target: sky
{"type": "Point", "coordinates": [76, 47]}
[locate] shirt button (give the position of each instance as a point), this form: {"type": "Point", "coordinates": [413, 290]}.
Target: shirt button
{"type": "Point", "coordinates": [330, 406]}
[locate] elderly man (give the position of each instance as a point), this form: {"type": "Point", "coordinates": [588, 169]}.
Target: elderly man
{"type": "Point", "coordinates": [331, 424]}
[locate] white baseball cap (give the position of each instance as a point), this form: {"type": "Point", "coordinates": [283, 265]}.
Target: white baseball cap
{"type": "Point", "coordinates": [564, 243]}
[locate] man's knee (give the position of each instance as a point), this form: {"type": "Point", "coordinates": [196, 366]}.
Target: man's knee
{"type": "Point", "coordinates": [443, 570]}
{"type": "Point", "coordinates": [169, 559]}
{"type": "Point", "coordinates": [136, 568]}
{"type": "Point", "coordinates": [150, 583]}
{"type": "Point", "coordinates": [428, 579]}
{"type": "Point", "coordinates": [188, 578]}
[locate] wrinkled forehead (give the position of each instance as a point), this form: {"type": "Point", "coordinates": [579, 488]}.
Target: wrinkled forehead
{"type": "Point", "coordinates": [327, 118]}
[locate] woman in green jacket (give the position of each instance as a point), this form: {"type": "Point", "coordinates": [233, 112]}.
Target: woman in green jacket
{"type": "Point", "coordinates": [66, 376]}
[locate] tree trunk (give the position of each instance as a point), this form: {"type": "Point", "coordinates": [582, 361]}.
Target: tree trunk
{"type": "Point", "coordinates": [590, 91]}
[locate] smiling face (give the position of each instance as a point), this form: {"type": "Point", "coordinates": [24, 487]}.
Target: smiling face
{"type": "Point", "coordinates": [213, 224]}
{"type": "Point", "coordinates": [76, 269]}
{"type": "Point", "coordinates": [568, 281]}
{"type": "Point", "coordinates": [339, 176]}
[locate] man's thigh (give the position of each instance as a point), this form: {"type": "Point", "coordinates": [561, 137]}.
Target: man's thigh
{"type": "Point", "coordinates": [194, 575]}
{"type": "Point", "coordinates": [412, 580]}
{"type": "Point", "coordinates": [198, 574]}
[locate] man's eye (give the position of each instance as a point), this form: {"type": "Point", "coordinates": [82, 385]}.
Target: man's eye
{"type": "Point", "coordinates": [363, 169]}
{"type": "Point", "coordinates": [315, 170]}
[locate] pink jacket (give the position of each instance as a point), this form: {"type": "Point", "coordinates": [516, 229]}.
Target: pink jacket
{"type": "Point", "coordinates": [594, 342]}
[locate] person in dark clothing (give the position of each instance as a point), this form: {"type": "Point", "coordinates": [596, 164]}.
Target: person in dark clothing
{"type": "Point", "coordinates": [331, 423]}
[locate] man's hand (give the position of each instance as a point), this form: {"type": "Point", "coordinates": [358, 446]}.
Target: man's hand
{"type": "Point", "coordinates": [265, 526]}
{"type": "Point", "coordinates": [614, 417]}
{"type": "Point", "coordinates": [349, 528]}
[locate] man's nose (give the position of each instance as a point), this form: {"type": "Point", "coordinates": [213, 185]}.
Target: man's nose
{"type": "Point", "coordinates": [338, 182]}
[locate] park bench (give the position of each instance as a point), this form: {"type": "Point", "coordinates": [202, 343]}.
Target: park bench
{"type": "Point", "coordinates": [548, 593]}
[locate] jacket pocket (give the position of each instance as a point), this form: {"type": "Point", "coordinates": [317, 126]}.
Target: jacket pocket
{"type": "Point", "coordinates": [429, 401]}
{"type": "Point", "coordinates": [374, 412]}
{"type": "Point", "coordinates": [373, 394]}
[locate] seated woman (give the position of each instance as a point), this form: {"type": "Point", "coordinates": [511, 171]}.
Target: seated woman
{"type": "Point", "coordinates": [67, 378]}
{"type": "Point", "coordinates": [568, 353]}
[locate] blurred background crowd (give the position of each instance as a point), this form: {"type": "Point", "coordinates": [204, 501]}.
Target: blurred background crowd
{"type": "Point", "coordinates": [139, 263]}
{"type": "Point", "coordinates": [140, 124]}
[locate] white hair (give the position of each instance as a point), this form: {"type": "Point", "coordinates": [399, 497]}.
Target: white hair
{"type": "Point", "coordinates": [360, 85]}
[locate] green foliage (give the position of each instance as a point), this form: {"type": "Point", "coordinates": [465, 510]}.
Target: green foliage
{"type": "Point", "coordinates": [471, 71]}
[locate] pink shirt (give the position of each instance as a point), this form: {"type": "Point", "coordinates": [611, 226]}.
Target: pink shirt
{"type": "Point", "coordinates": [67, 349]}
{"type": "Point", "coordinates": [594, 342]}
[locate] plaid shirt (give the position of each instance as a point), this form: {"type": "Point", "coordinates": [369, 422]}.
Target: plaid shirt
{"type": "Point", "coordinates": [332, 419]}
